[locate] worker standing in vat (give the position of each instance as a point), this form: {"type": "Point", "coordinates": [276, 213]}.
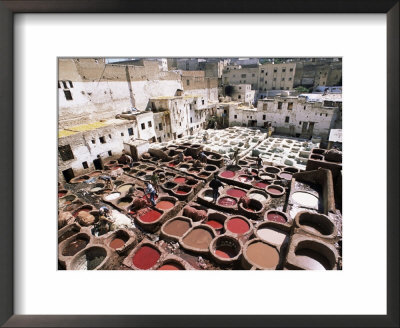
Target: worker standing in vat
{"type": "Point", "coordinates": [150, 190]}
{"type": "Point", "coordinates": [180, 157]}
{"type": "Point", "coordinates": [259, 164]}
{"type": "Point", "coordinates": [125, 159]}
{"type": "Point", "coordinates": [203, 157]}
{"type": "Point", "coordinates": [215, 184]}
{"type": "Point", "coordinates": [236, 156]}
{"type": "Point", "coordinates": [107, 179]}
{"type": "Point", "coordinates": [131, 191]}
{"type": "Point", "coordinates": [154, 180]}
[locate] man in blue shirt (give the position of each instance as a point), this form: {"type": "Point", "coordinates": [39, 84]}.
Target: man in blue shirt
{"type": "Point", "coordinates": [150, 190]}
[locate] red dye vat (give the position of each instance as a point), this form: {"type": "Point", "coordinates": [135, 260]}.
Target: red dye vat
{"type": "Point", "coordinates": [180, 180]}
{"type": "Point", "coordinates": [150, 216]}
{"type": "Point", "coordinates": [275, 191]}
{"type": "Point", "coordinates": [237, 225]}
{"type": "Point", "coordinates": [227, 201]}
{"type": "Point", "coordinates": [261, 184]}
{"type": "Point", "coordinates": [171, 164]}
{"type": "Point", "coordinates": [145, 257]}
{"type": "Point", "coordinates": [225, 252]}
{"type": "Point", "coordinates": [236, 192]}
{"type": "Point", "coordinates": [117, 243]}
{"type": "Point", "coordinates": [164, 205]}
{"type": "Point", "coordinates": [60, 194]}
{"type": "Point", "coordinates": [244, 178]}
{"type": "Point", "coordinates": [170, 266]}
{"type": "Point", "coordinates": [215, 224]}
{"type": "Point", "coordinates": [227, 174]}
{"type": "Point", "coordinates": [276, 217]}
{"type": "Point", "coordinates": [285, 175]}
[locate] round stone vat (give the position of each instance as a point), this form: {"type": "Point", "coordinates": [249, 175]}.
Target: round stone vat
{"type": "Point", "coordinates": [259, 195]}
{"type": "Point", "coordinates": [275, 191]}
{"type": "Point", "coordinates": [191, 182]}
{"type": "Point", "coordinates": [267, 176]}
{"type": "Point", "coordinates": [118, 183]}
{"type": "Point", "coordinates": [73, 206]}
{"type": "Point", "coordinates": [66, 200]}
{"type": "Point", "coordinates": [175, 228]}
{"type": "Point", "coordinates": [112, 196]}
{"type": "Point", "coordinates": [151, 216]}
{"type": "Point", "coordinates": [180, 180]}
{"type": "Point", "coordinates": [79, 179]}
{"type": "Point", "coordinates": [124, 202]}
{"type": "Point", "coordinates": [124, 187]}
{"type": "Point", "coordinates": [74, 244]}
{"type": "Point", "coordinates": [135, 164]}
{"type": "Point", "coordinates": [313, 255]}
{"type": "Point", "coordinates": [305, 199]}
{"type": "Point", "coordinates": [97, 188]}
{"type": "Point", "coordinates": [145, 256]}
{"type": "Point", "coordinates": [62, 193]}
{"type": "Point", "coordinates": [150, 169]}
{"type": "Point", "coordinates": [254, 206]}
{"type": "Point", "coordinates": [165, 203]}
{"type": "Point", "coordinates": [68, 231]}
{"type": "Point", "coordinates": [228, 174]}
{"type": "Point", "coordinates": [142, 167]}
{"type": "Point", "coordinates": [261, 184]}
{"type": "Point", "coordinates": [184, 166]}
{"type": "Point", "coordinates": [316, 224]}
{"type": "Point", "coordinates": [204, 174]}
{"type": "Point", "coordinates": [318, 151]}
{"type": "Point", "coordinates": [171, 265]}
{"type": "Point", "coordinates": [183, 190]}
{"type": "Point", "coordinates": [194, 170]}
{"type": "Point", "coordinates": [291, 169]}
{"type": "Point", "coordinates": [92, 258]}
{"type": "Point", "coordinates": [118, 240]}
{"type": "Point", "coordinates": [261, 255]}
{"type": "Point", "coordinates": [245, 178]}
{"type": "Point", "coordinates": [318, 157]}
{"type": "Point", "coordinates": [225, 249]}
{"type": "Point", "coordinates": [236, 192]}
{"type": "Point", "coordinates": [272, 169]}
{"type": "Point", "coordinates": [141, 174]}
{"type": "Point", "coordinates": [207, 195]}
{"type": "Point", "coordinates": [238, 225]}
{"type": "Point", "coordinates": [169, 185]}
{"type": "Point", "coordinates": [210, 168]}
{"type": "Point", "coordinates": [198, 239]}
{"type": "Point", "coordinates": [276, 216]}
{"type": "Point", "coordinates": [216, 220]}
{"type": "Point", "coordinates": [227, 201]}
{"type": "Point", "coordinates": [285, 175]}
{"type": "Point", "coordinates": [272, 233]}
{"type": "Point", "coordinates": [172, 164]}
{"type": "Point", "coordinates": [84, 208]}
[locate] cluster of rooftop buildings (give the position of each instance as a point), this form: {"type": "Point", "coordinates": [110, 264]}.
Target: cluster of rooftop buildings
{"type": "Point", "coordinates": [106, 104]}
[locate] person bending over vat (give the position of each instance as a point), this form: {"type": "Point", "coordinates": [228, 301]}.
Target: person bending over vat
{"type": "Point", "coordinates": [107, 179]}
{"type": "Point", "coordinates": [203, 157]}
{"type": "Point", "coordinates": [125, 159]}
{"type": "Point", "coordinates": [197, 164]}
{"type": "Point", "coordinates": [215, 184]}
{"type": "Point", "coordinates": [155, 180]}
{"type": "Point", "coordinates": [151, 191]}
{"type": "Point", "coordinates": [105, 222]}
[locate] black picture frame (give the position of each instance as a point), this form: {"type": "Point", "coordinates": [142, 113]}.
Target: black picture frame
{"type": "Point", "coordinates": [7, 11]}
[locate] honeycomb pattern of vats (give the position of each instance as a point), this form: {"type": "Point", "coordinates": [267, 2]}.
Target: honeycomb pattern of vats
{"type": "Point", "coordinates": [192, 232]}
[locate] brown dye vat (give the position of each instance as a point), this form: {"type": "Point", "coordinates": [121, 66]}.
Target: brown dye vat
{"type": "Point", "coordinates": [73, 231]}
{"type": "Point", "coordinates": [262, 255]}
{"type": "Point", "coordinates": [319, 157]}
{"type": "Point", "coordinates": [125, 201]}
{"type": "Point", "coordinates": [318, 151]}
{"type": "Point", "coordinates": [316, 223]}
{"type": "Point", "coordinates": [312, 260]}
{"type": "Point", "coordinates": [210, 168]}
{"type": "Point", "coordinates": [75, 246]}
{"type": "Point", "coordinates": [62, 193]}
{"type": "Point", "coordinates": [177, 227]}
{"type": "Point", "coordinates": [84, 209]}
{"type": "Point", "coordinates": [117, 243]}
{"type": "Point", "coordinates": [67, 200]}
{"type": "Point", "coordinates": [198, 238]}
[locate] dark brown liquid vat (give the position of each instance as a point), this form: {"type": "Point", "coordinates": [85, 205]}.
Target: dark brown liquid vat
{"type": "Point", "coordinates": [312, 260]}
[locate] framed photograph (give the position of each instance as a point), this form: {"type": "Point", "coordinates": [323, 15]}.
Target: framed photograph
{"type": "Point", "coordinates": [205, 143]}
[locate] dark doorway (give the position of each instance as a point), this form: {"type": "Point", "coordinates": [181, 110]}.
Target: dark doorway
{"type": "Point", "coordinates": [98, 164]}
{"type": "Point", "coordinates": [68, 174]}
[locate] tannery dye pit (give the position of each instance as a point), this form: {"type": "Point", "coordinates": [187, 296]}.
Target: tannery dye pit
{"type": "Point", "coordinates": [256, 222]}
